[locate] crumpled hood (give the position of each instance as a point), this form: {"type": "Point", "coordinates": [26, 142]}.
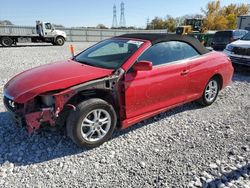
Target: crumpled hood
{"type": "Point", "coordinates": [241, 43]}
{"type": "Point", "coordinates": [49, 77]}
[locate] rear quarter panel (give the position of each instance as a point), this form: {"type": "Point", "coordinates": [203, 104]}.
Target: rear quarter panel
{"type": "Point", "coordinates": [222, 66]}
{"type": "Point", "coordinates": [203, 68]}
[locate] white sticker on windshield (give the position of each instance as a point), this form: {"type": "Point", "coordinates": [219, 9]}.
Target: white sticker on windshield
{"type": "Point", "coordinates": [138, 43]}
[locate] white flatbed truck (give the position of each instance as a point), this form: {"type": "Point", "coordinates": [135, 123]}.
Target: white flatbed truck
{"type": "Point", "coordinates": [45, 32]}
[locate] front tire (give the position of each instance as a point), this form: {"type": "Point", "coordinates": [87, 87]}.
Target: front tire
{"type": "Point", "coordinates": [92, 123]}
{"type": "Point", "coordinates": [59, 41]}
{"type": "Point", "coordinates": [210, 92]}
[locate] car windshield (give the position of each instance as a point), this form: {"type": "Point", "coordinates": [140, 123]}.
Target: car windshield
{"type": "Point", "coordinates": [246, 37]}
{"type": "Point", "coordinates": [109, 54]}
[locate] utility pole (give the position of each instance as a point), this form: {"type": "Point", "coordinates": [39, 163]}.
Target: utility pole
{"type": "Point", "coordinates": [114, 24]}
{"type": "Point", "coordinates": [122, 18]}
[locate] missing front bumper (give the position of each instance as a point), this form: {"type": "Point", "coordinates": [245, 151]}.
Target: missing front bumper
{"type": "Point", "coordinates": [36, 119]}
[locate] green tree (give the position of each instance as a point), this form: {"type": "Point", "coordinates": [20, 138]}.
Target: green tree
{"type": "Point", "coordinates": [156, 23]}
{"type": "Point", "coordinates": [6, 22]}
{"type": "Point", "coordinates": [231, 21]}
{"type": "Point", "coordinates": [170, 23]}
{"type": "Point", "coordinates": [214, 20]}
{"type": "Point", "coordinates": [219, 18]}
{"type": "Point", "coordinates": [101, 26]}
{"type": "Point", "coordinates": [232, 11]}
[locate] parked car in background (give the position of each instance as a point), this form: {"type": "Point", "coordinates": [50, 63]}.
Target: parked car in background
{"type": "Point", "coordinates": [239, 51]}
{"type": "Point", "coordinates": [222, 38]}
{"type": "Point", "coordinates": [117, 83]}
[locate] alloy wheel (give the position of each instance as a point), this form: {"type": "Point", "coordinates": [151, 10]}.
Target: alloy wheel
{"type": "Point", "coordinates": [211, 90]}
{"type": "Point", "coordinates": [95, 125]}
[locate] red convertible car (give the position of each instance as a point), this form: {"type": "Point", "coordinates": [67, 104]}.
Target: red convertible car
{"type": "Point", "coordinates": [115, 84]}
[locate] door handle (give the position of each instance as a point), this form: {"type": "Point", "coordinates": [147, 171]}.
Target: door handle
{"type": "Point", "coordinates": [184, 72]}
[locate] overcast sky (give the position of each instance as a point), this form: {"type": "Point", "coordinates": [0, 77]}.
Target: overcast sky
{"type": "Point", "coordinates": [92, 12]}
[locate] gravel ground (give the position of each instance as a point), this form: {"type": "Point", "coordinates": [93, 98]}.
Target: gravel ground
{"type": "Point", "coordinates": [188, 146]}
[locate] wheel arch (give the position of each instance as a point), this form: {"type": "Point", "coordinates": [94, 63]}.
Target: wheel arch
{"type": "Point", "coordinates": [218, 77]}
{"type": "Point", "coordinates": [81, 96]}
{"type": "Point", "coordinates": [58, 37]}
{"type": "Point", "coordinates": [93, 93]}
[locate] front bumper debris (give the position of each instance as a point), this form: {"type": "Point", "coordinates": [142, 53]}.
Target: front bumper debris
{"type": "Point", "coordinates": [32, 115]}
{"type": "Point", "coordinates": [35, 119]}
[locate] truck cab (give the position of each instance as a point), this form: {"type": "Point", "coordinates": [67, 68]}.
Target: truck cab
{"type": "Point", "coordinates": [47, 31]}
{"type": "Point", "coordinates": [190, 26]}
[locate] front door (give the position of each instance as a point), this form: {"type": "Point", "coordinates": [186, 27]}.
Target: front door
{"type": "Point", "coordinates": [48, 30]}
{"type": "Point", "coordinates": [147, 91]}
{"type": "Point", "coordinates": [163, 86]}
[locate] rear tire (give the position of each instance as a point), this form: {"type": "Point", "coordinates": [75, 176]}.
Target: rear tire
{"type": "Point", "coordinates": [210, 92]}
{"type": "Point", "coordinates": [59, 41]}
{"type": "Point", "coordinates": [92, 123]}
{"type": "Point", "coordinates": [6, 41]}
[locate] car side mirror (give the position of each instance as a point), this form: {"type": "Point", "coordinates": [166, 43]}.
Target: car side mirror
{"type": "Point", "coordinates": [143, 66]}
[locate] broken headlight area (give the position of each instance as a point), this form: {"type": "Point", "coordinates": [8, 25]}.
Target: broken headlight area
{"type": "Point", "coordinates": [16, 110]}
{"type": "Point", "coordinates": [43, 110]}
{"type": "Point", "coordinates": [32, 114]}
{"type": "Point", "coordinates": [48, 100]}
{"type": "Point", "coordinates": [11, 105]}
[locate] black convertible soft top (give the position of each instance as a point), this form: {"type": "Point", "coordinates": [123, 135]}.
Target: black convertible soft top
{"type": "Point", "coordinates": [155, 38]}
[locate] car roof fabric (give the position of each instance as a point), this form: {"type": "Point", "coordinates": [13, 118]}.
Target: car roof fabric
{"type": "Point", "coordinates": [155, 38]}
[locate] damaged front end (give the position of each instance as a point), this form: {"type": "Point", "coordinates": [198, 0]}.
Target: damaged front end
{"type": "Point", "coordinates": [48, 108]}
{"type": "Point", "coordinates": [41, 110]}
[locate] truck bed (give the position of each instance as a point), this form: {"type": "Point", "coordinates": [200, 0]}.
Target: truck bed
{"type": "Point", "coordinates": [18, 35]}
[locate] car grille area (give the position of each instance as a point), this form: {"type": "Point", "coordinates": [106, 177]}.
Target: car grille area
{"type": "Point", "coordinates": [239, 60]}
{"type": "Point", "coordinates": [241, 51]}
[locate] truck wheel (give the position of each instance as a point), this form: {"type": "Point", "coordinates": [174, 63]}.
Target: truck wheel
{"type": "Point", "coordinates": [6, 41]}
{"type": "Point", "coordinates": [210, 92]}
{"type": "Point", "coordinates": [59, 41]}
{"type": "Point", "coordinates": [92, 123]}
